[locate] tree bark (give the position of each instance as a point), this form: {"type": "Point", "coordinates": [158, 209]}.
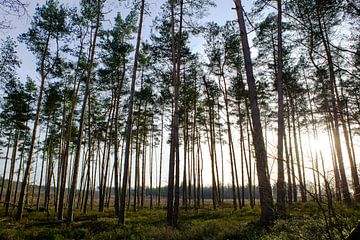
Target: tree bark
{"type": "Point", "coordinates": [266, 200]}
{"type": "Point", "coordinates": [129, 119]}
{"type": "Point", "coordinates": [33, 138]}
{"type": "Point", "coordinates": [281, 191]}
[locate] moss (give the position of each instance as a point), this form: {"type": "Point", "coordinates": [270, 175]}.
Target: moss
{"type": "Point", "coordinates": [305, 222]}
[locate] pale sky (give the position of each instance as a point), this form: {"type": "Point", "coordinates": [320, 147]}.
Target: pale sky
{"type": "Point", "coordinates": [221, 13]}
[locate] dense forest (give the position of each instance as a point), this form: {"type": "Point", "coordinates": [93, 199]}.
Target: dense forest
{"type": "Point", "coordinates": [263, 117]}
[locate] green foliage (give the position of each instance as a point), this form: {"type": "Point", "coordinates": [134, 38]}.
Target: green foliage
{"type": "Point", "coordinates": [305, 222]}
{"type": "Point", "coordinates": [48, 22]}
{"type": "Point", "coordinates": [9, 61]}
{"type": "Point", "coordinates": [17, 109]}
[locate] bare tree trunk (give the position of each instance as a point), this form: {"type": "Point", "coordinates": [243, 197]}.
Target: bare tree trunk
{"type": "Point", "coordinates": [116, 153]}
{"type": "Point", "coordinates": [161, 154]}
{"type": "Point", "coordinates": [73, 186]}
{"type": "Point", "coordinates": [252, 194]}
{"type": "Point", "coordinates": [294, 187]}
{"type": "Point", "coordinates": [151, 163]}
{"type": "Point", "coordinates": [35, 177]}
{"type": "Point", "coordinates": [297, 154]}
{"type": "Point", "coordinates": [105, 159]}
{"type": "Point", "coordinates": [90, 150]}
{"type": "Point", "coordinates": [335, 117]}
{"type": "Point", "coordinates": [184, 183]}
{"type": "Point", "coordinates": [281, 191]}
{"type": "Point", "coordinates": [19, 169]}
{"type": "Point", "coordinates": [42, 170]}
{"type": "Point", "coordinates": [176, 115]}
{"type": "Point", "coordinates": [6, 163]}
{"type": "Point", "coordinates": [289, 172]}
{"type": "Point", "coordinates": [33, 137]}
{"type": "Point", "coordinates": [11, 173]}
{"type": "Point", "coordinates": [266, 200]}
{"type": "Point", "coordinates": [143, 168]}
{"type": "Point", "coordinates": [129, 119]}
{"type": "Point", "coordinates": [49, 176]}
{"type": "Point", "coordinates": [211, 143]}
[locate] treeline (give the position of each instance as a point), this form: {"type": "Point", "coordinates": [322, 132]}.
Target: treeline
{"type": "Point", "coordinates": [155, 195]}
{"type": "Point", "coordinates": [107, 109]}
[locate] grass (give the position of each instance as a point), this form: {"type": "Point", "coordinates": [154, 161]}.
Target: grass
{"type": "Point", "coordinates": [305, 221]}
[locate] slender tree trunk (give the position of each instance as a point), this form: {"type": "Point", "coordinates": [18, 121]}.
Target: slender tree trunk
{"type": "Point", "coordinates": [19, 170]}
{"type": "Point", "coordinates": [151, 159]}
{"type": "Point", "coordinates": [48, 176]}
{"type": "Point", "coordinates": [211, 143]}
{"type": "Point", "coordinates": [176, 115]}
{"type": "Point", "coordinates": [252, 194]}
{"type": "Point", "coordinates": [90, 149]}
{"type": "Point", "coordinates": [105, 159]}
{"type": "Point", "coordinates": [318, 178]}
{"type": "Point", "coordinates": [349, 143]}
{"type": "Point", "coordinates": [266, 200]}
{"type": "Point", "coordinates": [73, 186]}
{"type": "Point", "coordinates": [143, 182]}
{"type": "Point", "coordinates": [6, 163]}
{"type": "Point", "coordinates": [302, 161]}
{"type": "Point", "coordinates": [35, 177]}
{"type": "Point", "coordinates": [161, 154]}
{"type": "Point", "coordinates": [42, 170]}
{"type": "Point", "coordinates": [294, 188]}
{"type": "Point", "coordinates": [281, 191]}
{"type": "Point", "coordinates": [231, 147]}
{"type": "Point", "coordinates": [289, 172]}
{"type": "Point", "coordinates": [11, 173]}
{"type": "Point", "coordinates": [335, 118]}
{"type": "Point", "coordinates": [184, 183]}
{"type": "Point", "coordinates": [33, 137]}
{"type": "Point", "coordinates": [129, 119]}
{"type": "Point", "coordinates": [297, 154]}
{"type": "Point", "coordinates": [116, 155]}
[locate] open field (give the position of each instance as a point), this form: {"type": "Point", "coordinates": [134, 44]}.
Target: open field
{"type": "Point", "coordinates": [306, 221]}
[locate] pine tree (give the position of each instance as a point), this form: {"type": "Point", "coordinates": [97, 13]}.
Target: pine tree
{"type": "Point", "coordinates": [49, 23]}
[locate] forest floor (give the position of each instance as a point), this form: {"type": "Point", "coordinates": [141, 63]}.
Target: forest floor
{"type": "Point", "coordinates": [305, 221]}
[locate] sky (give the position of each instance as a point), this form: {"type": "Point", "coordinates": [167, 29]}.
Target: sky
{"type": "Point", "coordinates": [220, 14]}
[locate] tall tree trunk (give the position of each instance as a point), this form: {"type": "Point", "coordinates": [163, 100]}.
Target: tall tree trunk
{"type": "Point", "coordinates": [231, 147]}
{"type": "Point", "coordinates": [297, 154]}
{"type": "Point", "coordinates": [266, 200]}
{"type": "Point", "coordinates": [6, 163]}
{"type": "Point", "coordinates": [129, 119]}
{"type": "Point", "coordinates": [73, 187]}
{"type": "Point", "coordinates": [105, 158]}
{"type": "Point", "coordinates": [11, 173]}
{"type": "Point", "coordinates": [184, 183]}
{"type": "Point", "coordinates": [42, 170]}
{"type": "Point", "coordinates": [281, 191]}
{"type": "Point", "coordinates": [289, 172]}
{"type": "Point", "coordinates": [90, 149]}
{"type": "Point", "coordinates": [161, 155]}
{"type": "Point", "coordinates": [19, 170]}
{"type": "Point", "coordinates": [211, 143]}
{"type": "Point", "coordinates": [49, 176]}
{"type": "Point", "coordinates": [176, 115]}
{"type": "Point", "coordinates": [335, 117]}
{"type": "Point", "coordinates": [116, 150]}
{"type": "Point", "coordinates": [173, 201]}
{"type": "Point", "coordinates": [294, 187]}
{"type": "Point", "coordinates": [33, 137]}
{"type": "Point", "coordinates": [349, 142]}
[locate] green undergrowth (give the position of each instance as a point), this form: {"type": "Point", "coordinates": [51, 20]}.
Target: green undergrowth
{"type": "Point", "coordinates": [305, 221]}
